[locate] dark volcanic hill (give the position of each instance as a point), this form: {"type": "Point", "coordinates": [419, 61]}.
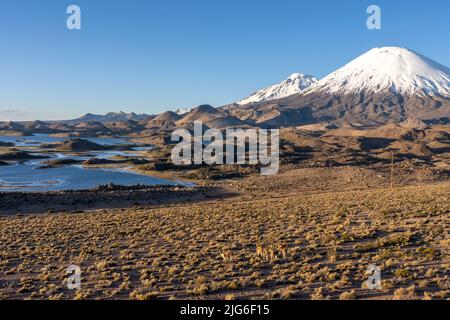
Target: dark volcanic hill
{"type": "Point", "coordinates": [165, 120]}
{"type": "Point", "coordinates": [211, 117]}
{"type": "Point", "coordinates": [123, 127]}
{"type": "Point", "coordinates": [91, 126]}
{"type": "Point", "coordinates": [10, 125]}
{"type": "Point", "coordinates": [77, 145]}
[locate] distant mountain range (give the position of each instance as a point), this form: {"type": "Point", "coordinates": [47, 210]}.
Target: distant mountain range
{"type": "Point", "coordinates": [109, 117]}
{"type": "Point", "coordinates": [384, 85]}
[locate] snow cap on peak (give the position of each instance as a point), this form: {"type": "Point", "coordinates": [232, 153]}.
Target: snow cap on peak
{"type": "Point", "coordinates": [296, 76]}
{"type": "Point", "coordinates": [295, 83]}
{"type": "Point", "coordinates": [394, 69]}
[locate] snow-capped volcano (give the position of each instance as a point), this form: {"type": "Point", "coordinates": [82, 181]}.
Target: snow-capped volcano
{"type": "Point", "coordinates": [384, 85]}
{"type": "Point", "coordinates": [388, 69]}
{"type": "Point", "coordinates": [296, 83]}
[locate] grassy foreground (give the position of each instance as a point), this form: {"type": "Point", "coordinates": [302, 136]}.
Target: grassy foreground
{"type": "Point", "coordinates": [315, 246]}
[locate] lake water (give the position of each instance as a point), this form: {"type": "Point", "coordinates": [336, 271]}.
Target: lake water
{"type": "Point", "coordinates": [37, 139]}
{"type": "Point", "coordinates": [27, 176]}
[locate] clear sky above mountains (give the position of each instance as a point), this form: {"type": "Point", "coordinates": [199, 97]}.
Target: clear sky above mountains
{"type": "Point", "coordinates": [150, 56]}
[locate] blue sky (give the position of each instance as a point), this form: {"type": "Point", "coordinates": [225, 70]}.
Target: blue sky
{"type": "Point", "coordinates": [154, 55]}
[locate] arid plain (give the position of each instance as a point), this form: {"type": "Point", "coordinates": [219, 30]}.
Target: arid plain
{"type": "Point", "coordinates": [343, 200]}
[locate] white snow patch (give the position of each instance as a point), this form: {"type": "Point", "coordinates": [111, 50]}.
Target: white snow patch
{"type": "Point", "coordinates": [392, 69]}
{"type": "Point", "coordinates": [296, 83]}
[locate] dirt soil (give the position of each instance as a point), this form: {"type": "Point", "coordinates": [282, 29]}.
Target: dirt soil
{"type": "Point", "coordinates": [306, 233]}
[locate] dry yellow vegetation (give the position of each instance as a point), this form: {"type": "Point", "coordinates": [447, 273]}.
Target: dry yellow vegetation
{"type": "Point", "coordinates": [294, 246]}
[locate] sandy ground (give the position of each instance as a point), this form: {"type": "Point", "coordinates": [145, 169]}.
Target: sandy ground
{"type": "Point", "coordinates": [302, 234]}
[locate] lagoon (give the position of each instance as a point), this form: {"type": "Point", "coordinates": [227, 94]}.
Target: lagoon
{"type": "Point", "coordinates": [28, 176]}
